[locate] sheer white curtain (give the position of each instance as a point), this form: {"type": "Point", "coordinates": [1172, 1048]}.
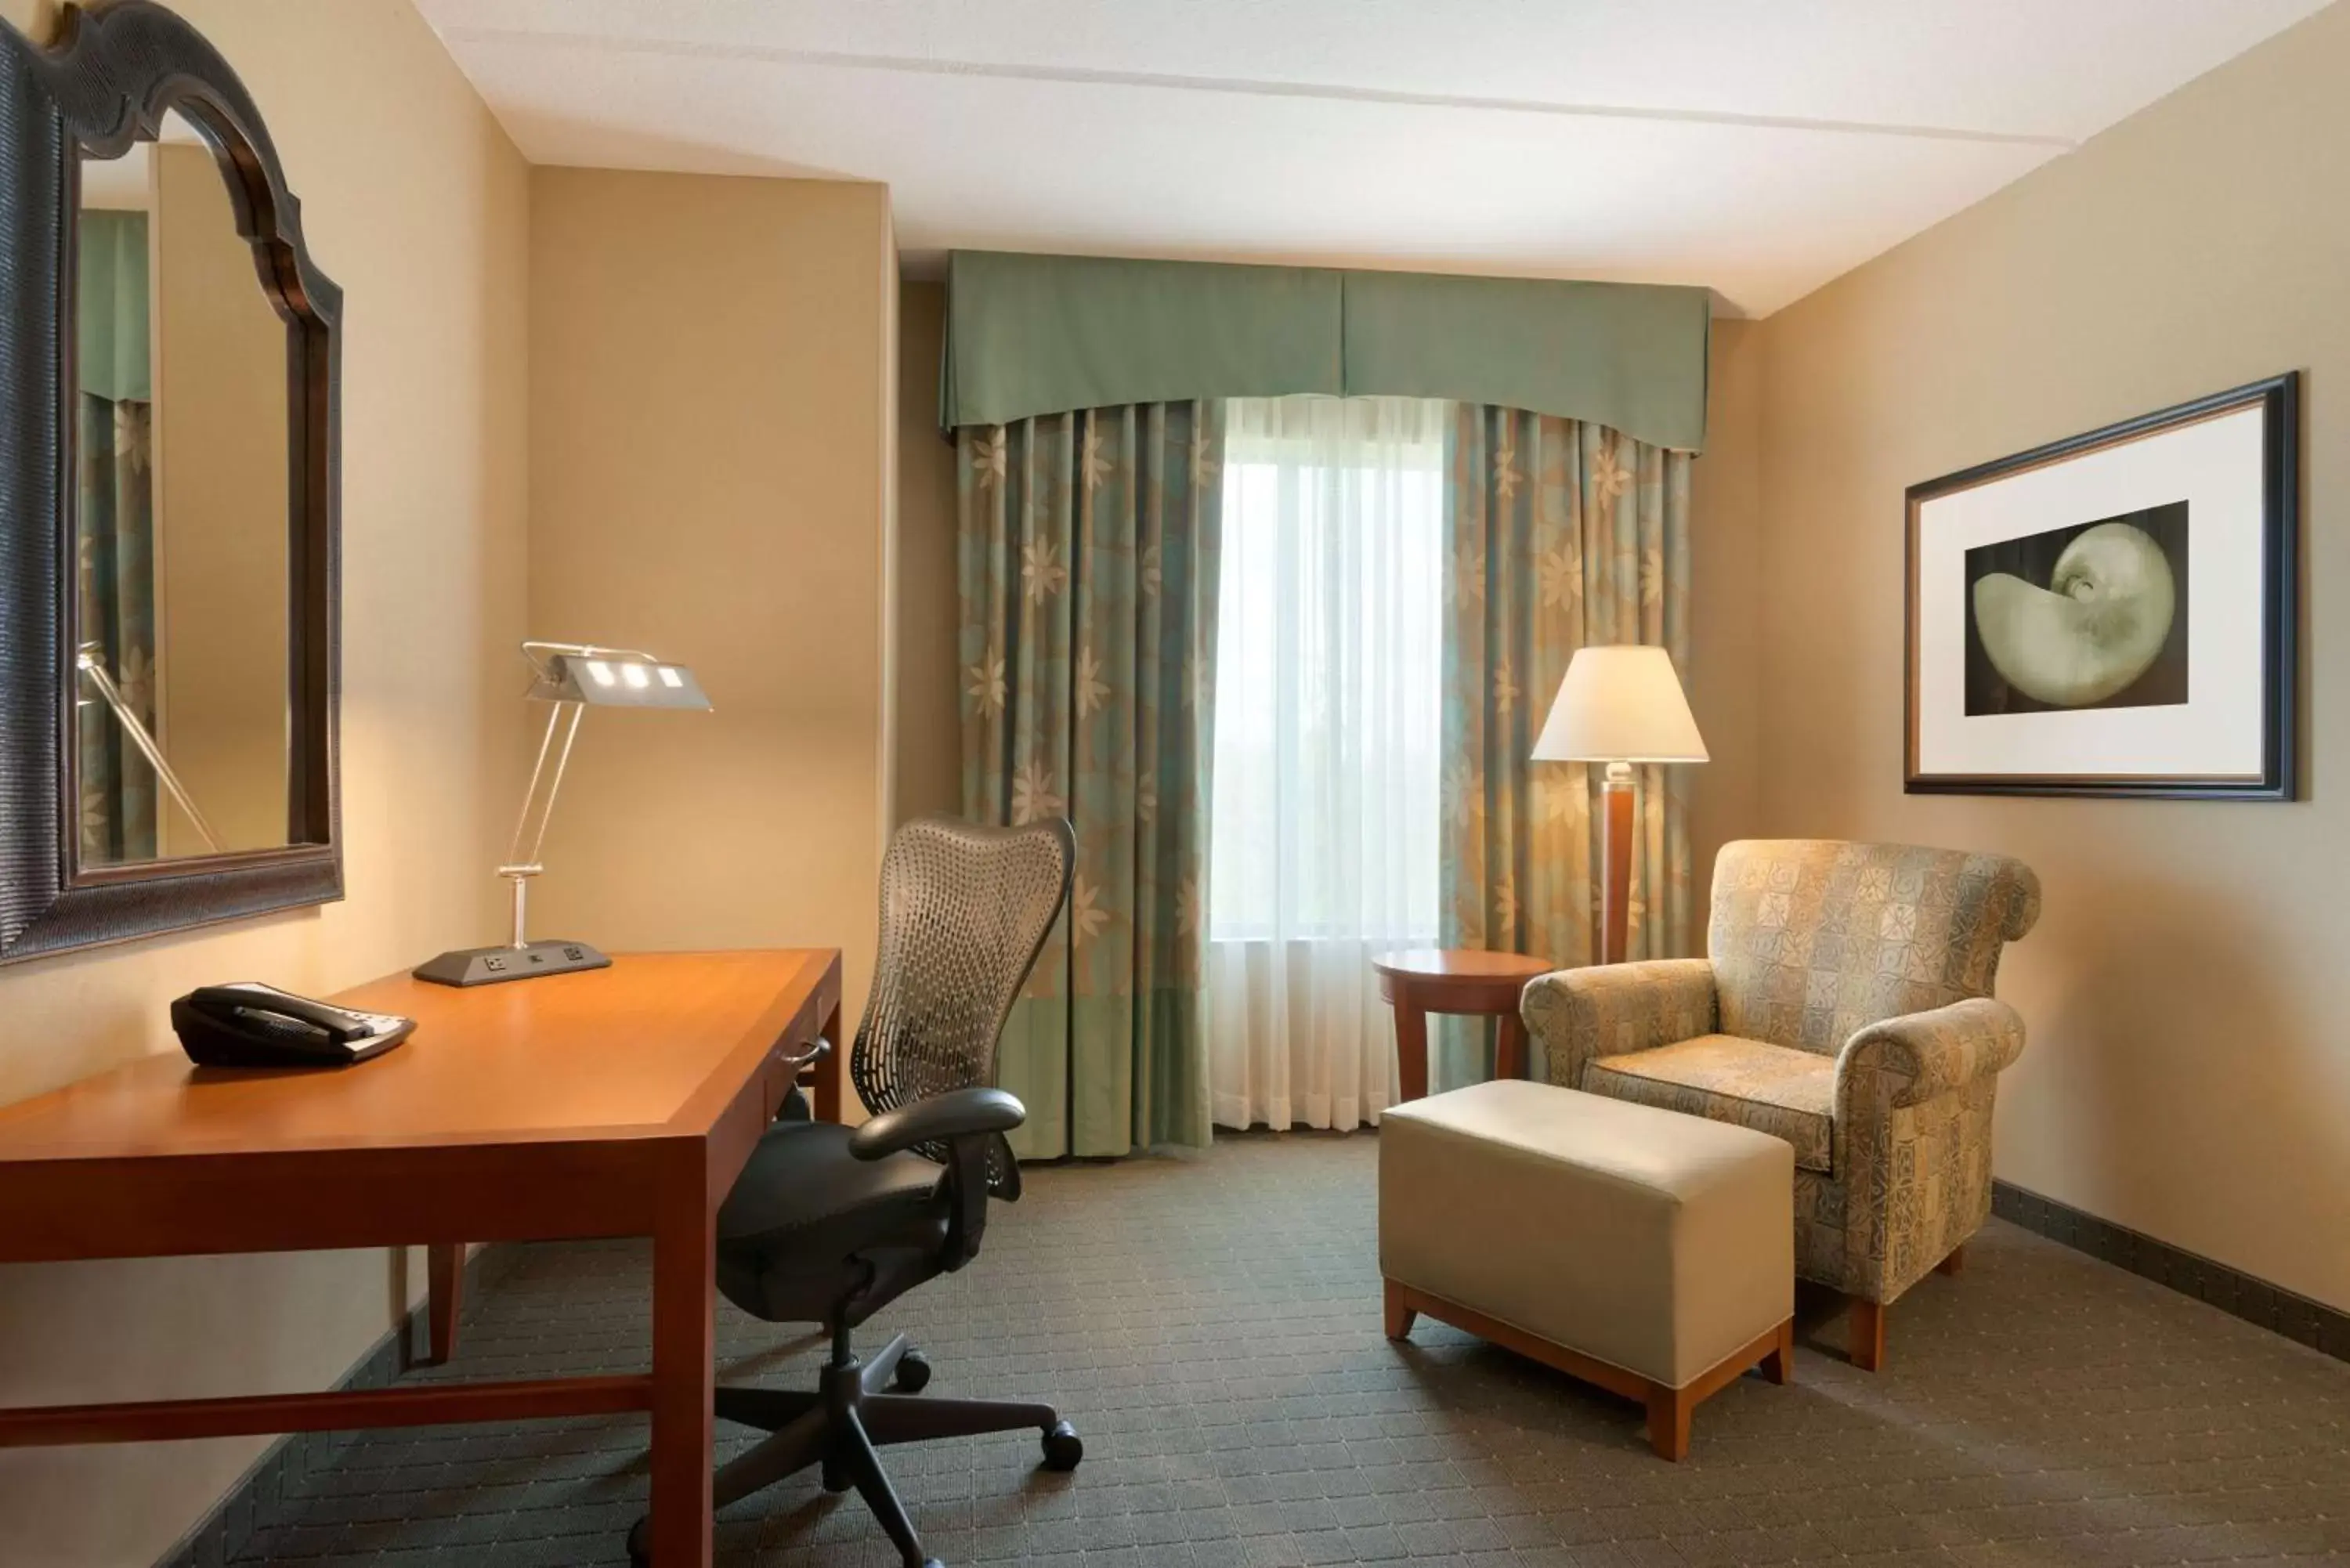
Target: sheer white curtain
{"type": "Point", "coordinates": [1323, 831]}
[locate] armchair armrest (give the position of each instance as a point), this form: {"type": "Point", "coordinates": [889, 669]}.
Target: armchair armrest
{"type": "Point", "coordinates": [1920, 1056]}
{"type": "Point", "coordinates": [942, 1118]}
{"type": "Point", "coordinates": [1610, 1010]}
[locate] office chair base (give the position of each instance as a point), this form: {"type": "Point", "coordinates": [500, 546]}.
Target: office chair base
{"type": "Point", "coordinates": [844, 1424]}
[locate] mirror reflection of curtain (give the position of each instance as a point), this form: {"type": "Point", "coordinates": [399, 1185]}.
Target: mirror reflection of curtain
{"type": "Point", "coordinates": [115, 544]}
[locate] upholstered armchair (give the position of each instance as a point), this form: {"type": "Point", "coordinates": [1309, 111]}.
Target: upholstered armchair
{"type": "Point", "coordinates": [1846, 1006]}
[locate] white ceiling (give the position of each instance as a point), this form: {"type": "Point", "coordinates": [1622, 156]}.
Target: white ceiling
{"type": "Point", "coordinates": [1759, 147]}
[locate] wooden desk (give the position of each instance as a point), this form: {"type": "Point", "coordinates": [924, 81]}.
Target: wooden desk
{"type": "Point", "coordinates": [1422, 981]}
{"type": "Point", "coordinates": [618, 1102]}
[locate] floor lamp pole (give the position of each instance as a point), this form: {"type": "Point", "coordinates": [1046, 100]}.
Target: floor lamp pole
{"type": "Point", "coordinates": [1616, 865]}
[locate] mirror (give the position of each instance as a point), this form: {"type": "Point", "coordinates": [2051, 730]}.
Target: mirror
{"type": "Point", "coordinates": [170, 496]}
{"type": "Point", "coordinates": [182, 527]}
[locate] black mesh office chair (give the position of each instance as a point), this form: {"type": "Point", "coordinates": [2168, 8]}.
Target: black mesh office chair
{"type": "Point", "coordinates": [829, 1225]}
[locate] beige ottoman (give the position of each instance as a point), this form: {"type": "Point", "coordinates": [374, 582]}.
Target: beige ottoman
{"type": "Point", "coordinates": [1647, 1251]}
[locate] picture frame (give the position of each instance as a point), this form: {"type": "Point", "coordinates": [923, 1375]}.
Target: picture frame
{"type": "Point", "coordinates": [2115, 614]}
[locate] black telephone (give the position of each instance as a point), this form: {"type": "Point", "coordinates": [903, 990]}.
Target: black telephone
{"type": "Point", "coordinates": [254, 1025]}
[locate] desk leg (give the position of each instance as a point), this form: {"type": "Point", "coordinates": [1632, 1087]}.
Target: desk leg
{"type": "Point", "coordinates": [1411, 1048]}
{"type": "Point", "coordinates": [1510, 1047]}
{"type": "Point", "coordinates": [685, 1315]}
{"type": "Point", "coordinates": [828, 1072]}
{"type": "Point", "coordinates": [445, 1269]}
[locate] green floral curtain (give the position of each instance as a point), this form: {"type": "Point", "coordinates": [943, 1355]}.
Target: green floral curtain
{"type": "Point", "coordinates": [114, 541]}
{"type": "Point", "coordinates": [1087, 558]}
{"type": "Point", "coordinates": [1562, 534]}
{"type": "Point", "coordinates": [115, 578]}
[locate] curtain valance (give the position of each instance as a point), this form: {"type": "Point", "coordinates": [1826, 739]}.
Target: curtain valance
{"type": "Point", "coordinates": [114, 357]}
{"type": "Point", "coordinates": [1036, 335]}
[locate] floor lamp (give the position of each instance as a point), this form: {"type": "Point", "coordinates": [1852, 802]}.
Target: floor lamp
{"type": "Point", "coordinates": [1619, 705]}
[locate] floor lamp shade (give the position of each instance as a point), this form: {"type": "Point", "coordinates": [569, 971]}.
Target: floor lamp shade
{"type": "Point", "coordinates": [1619, 705]}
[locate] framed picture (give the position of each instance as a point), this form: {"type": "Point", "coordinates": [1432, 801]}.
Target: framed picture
{"type": "Point", "coordinates": [2114, 614]}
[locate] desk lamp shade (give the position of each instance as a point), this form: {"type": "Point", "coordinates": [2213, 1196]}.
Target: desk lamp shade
{"type": "Point", "coordinates": [571, 678]}
{"type": "Point", "coordinates": [1619, 705]}
{"type": "Point", "coordinates": [603, 678]}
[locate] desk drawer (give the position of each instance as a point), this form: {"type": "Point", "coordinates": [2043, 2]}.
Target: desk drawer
{"type": "Point", "coordinates": [780, 1072]}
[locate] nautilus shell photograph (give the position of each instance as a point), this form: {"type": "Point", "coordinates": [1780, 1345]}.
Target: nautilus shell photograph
{"type": "Point", "coordinates": [2086, 616]}
{"type": "Point", "coordinates": [2115, 612]}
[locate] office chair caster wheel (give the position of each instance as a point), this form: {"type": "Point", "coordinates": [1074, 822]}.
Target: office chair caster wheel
{"type": "Point", "coordinates": [837, 1477]}
{"type": "Point", "coordinates": [1063, 1447]}
{"type": "Point", "coordinates": [913, 1372]}
{"type": "Point", "coordinates": [640, 1543]}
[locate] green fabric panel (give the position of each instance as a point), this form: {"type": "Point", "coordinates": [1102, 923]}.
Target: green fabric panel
{"type": "Point", "coordinates": [1045, 335]}
{"type": "Point", "coordinates": [1562, 534]}
{"type": "Point", "coordinates": [114, 567]}
{"type": "Point", "coordinates": [1030, 335]}
{"type": "Point", "coordinates": [1032, 1060]}
{"type": "Point", "coordinates": [1150, 1088]}
{"type": "Point", "coordinates": [1087, 567]}
{"type": "Point", "coordinates": [1631, 357]}
{"type": "Point", "coordinates": [115, 361]}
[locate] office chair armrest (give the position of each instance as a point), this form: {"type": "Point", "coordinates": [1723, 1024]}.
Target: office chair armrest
{"type": "Point", "coordinates": [959, 1113]}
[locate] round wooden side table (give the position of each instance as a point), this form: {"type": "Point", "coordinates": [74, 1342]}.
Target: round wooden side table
{"type": "Point", "coordinates": [1422, 981]}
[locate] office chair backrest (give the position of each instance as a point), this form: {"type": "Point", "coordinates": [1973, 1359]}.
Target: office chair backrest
{"type": "Point", "coordinates": [964, 912]}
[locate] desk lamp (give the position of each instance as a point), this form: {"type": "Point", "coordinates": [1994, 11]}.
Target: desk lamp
{"type": "Point", "coordinates": [91, 660]}
{"type": "Point", "coordinates": [1619, 705]}
{"type": "Point", "coordinates": [571, 678]}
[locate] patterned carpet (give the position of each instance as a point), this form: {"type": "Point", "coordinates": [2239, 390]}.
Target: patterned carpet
{"type": "Point", "coordinates": [1212, 1326]}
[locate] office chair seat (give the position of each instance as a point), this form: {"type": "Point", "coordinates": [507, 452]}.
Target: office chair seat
{"type": "Point", "coordinates": [808, 1224]}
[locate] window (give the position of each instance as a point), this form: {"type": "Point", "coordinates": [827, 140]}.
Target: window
{"type": "Point", "coordinates": [1329, 657]}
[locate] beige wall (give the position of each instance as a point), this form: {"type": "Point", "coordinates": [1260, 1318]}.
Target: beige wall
{"type": "Point", "coordinates": [1725, 619]}
{"type": "Point", "coordinates": [418, 206]}
{"type": "Point", "coordinates": [221, 567]}
{"type": "Point", "coordinates": [2189, 1074]}
{"type": "Point", "coordinates": [711, 432]}
{"type": "Point", "coordinates": [930, 690]}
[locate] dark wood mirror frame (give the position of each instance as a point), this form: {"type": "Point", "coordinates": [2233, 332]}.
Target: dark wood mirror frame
{"type": "Point", "coordinates": [117, 69]}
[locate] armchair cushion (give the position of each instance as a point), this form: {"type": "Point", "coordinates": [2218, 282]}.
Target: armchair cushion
{"type": "Point", "coordinates": [1789, 1093]}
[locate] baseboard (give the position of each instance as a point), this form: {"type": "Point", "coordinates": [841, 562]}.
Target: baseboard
{"type": "Point", "coordinates": [2239, 1294]}
{"type": "Point", "coordinates": [252, 1504]}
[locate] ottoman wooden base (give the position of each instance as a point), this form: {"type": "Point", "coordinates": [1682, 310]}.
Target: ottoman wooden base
{"type": "Point", "coordinates": [1668, 1408]}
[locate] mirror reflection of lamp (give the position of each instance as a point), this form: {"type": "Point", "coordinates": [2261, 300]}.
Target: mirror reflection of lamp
{"type": "Point", "coordinates": [89, 661]}
{"type": "Point", "coordinates": [570, 677]}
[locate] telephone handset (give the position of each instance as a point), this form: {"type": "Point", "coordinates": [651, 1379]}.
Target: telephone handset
{"type": "Point", "coordinates": [254, 1025]}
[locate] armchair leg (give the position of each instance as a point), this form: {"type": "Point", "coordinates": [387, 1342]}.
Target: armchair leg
{"type": "Point", "coordinates": [1867, 1333]}
{"type": "Point", "coordinates": [1954, 1262]}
